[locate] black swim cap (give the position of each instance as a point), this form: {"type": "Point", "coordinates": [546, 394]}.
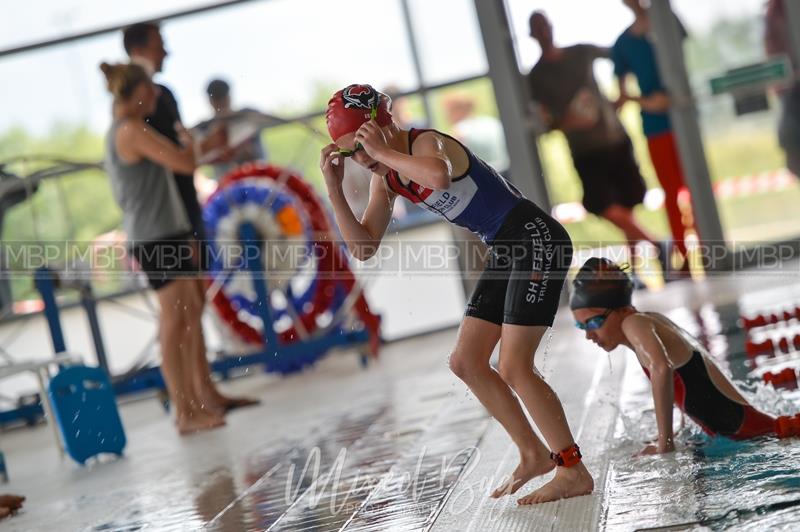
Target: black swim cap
{"type": "Point", "coordinates": [600, 283]}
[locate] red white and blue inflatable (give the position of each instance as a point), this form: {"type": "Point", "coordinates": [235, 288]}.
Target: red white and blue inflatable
{"type": "Point", "coordinates": [311, 293]}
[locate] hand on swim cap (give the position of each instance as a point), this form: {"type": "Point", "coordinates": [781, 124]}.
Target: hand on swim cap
{"type": "Point", "coordinates": [331, 163]}
{"type": "Point", "coordinates": [350, 107]}
{"type": "Point", "coordinates": [371, 137]}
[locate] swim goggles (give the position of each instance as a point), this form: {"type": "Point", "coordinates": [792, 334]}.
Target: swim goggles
{"type": "Point", "coordinates": [595, 322]}
{"type": "Point", "coordinates": [373, 114]}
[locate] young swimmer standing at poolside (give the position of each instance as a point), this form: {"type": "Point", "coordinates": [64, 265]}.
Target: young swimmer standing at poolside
{"type": "Point", "coordinates": [678, 367]}
{"type": "Point", "coordinates": [515, 300]}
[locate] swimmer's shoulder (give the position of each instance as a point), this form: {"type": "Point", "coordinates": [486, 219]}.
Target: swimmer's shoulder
{"type": "Point", "coordinates": [431, 142]}
{"type": "Point", "coordinates": [639, 323]}
{"type": "Point", "coordinates": [638, 318]}
{"type": "Point", "coordinates": [427, 140]}
{"type": "Point", "coordinates": [435, 139]}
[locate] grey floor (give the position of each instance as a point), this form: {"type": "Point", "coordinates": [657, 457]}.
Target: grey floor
{"type": "Point", "coordinates": [400, 445]}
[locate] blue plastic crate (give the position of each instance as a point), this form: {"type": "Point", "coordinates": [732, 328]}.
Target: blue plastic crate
{"type": "Point", "coordinates": [86, 412]}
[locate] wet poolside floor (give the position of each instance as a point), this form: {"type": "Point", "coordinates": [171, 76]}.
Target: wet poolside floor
{"type": "Point", "coordinates": [335, 447]}
{"type": "Point", "coordinates": [712, 483]}
{"type": "Point", "coordinates": [402, 445]}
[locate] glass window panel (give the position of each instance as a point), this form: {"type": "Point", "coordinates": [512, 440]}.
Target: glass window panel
{"type": "Point", "coordinates": [756, 195]}
{"type": "Point", "coordinates": [40, 20]}
{"type": "Point", "coordinates": [448, 39]}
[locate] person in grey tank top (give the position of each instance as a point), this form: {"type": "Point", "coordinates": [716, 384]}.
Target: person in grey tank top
{"type": "Point", "coordinates": [140, 163]}
{"type": "Point", "coordinates": [147, 194]}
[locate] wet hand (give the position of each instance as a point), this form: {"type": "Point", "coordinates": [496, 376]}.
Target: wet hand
{"type": "Point", "coordinates": [227, 154]}
{"type": "Point", "coordinates": [648, 450]}
{"type": "Point", "coordinates": [184, 136]}
{"type": "Point", "coordinates": [217, 138]}
{"type": "Point", "coordinates": [371, 137]}
{"type": "Point", "coordinates": [653, 449]}
{"type": "Point", "coordinates": [332, 165]}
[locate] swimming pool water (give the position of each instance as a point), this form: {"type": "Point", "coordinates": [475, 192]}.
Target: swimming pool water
{"type": "Point", "coordinates": [708, 483]}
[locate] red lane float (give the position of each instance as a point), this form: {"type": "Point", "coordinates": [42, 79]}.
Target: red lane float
{"type": "Point", "coordinates": [786, 378]}
{"type": "Point", "coordinates": [759, 348]}
{"type": "Point", "coordinates": [763, 320]}
{"type": "Point", "coordinates": [788, 426]}
{"type": "Point", "coordinates": [769, 346]}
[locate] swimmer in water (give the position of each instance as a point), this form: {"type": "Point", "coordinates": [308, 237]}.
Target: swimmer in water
{"type": "Point", "coordinates": [679, 368]}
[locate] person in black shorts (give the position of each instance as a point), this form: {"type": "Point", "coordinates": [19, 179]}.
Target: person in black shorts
{"type": "Point", "coordinates": [140, 162]}
{"type": "Point", "coordinates": [529, 259]}
{"type": "Point", "coordinates": [144, 44]}
{"type": "Point", "coordinates": [517, 297]}
{"type": "Point", "coordinates": [611, 179]}
{"type": "Point", "coordinates": [562, 83]}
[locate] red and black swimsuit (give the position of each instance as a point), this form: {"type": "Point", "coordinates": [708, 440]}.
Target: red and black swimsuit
{"type": "Point", "coordinates": [699, 398]}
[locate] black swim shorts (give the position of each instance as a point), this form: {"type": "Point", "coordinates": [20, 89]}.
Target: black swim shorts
{"type": "Point", "coordinates": [526, 269]}
{"type": "Point", "coordinates": [167, 259]}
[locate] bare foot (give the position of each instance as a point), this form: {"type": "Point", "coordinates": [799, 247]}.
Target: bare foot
{"type": "Point", "coordinates": [568, 482]}
{"type": "Point", "coordinates": [198, 420]}
{"type": "Point", "coordinates": [527, 469]}
{"type": "Point", "coordinates": [232, 403]}
{"type": "Point", "coordinates": [219, 404]}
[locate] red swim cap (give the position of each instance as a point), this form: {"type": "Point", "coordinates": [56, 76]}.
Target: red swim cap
{"type": "Point", "coordinates": [350, 107]}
